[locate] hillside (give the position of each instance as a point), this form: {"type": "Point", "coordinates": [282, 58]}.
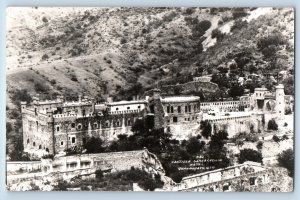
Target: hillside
{"type": "Point", "coordinates": [107, 51]}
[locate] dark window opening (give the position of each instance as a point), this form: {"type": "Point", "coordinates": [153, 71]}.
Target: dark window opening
{"type": "Point", "coordinates": [252, 180]}
{"type": "Point", "coordinates": [128, 108]}
{"type": "Point", "coordinates": [61, 143]}
{"type": "Point", "coordinates": [172, 109]}
{"type": "Point", "coordinates": [190, 108]}
{"type": "Point", "coordinates": [73, 140]}
{"type": "Point", "coordinates": [168, 109]}
{"type": "Point", "coordinates": [47, 149]}
{"type": "Point", "coordinates": [73, 125]}
{"type": "Point", "coordinates": [27, 141]}
{"type": "Point", "coordinates": [33, 144]}
{"type": "Point", "coordinates": [79, 127]}
{"type": "Point", "coordinates": [129, 122]}
{"type": "Point", "coordinates": [40, 146]}
{"type": "Point", "coordinates": [57, 128]}
{"type": "Point", "coordinates": [186, 109]}
{"type": "Point", "coordinates": [139, 107]}
{"type": "Point", "coordinates": [117, 108]}
{"type": "Point", "coordinates": [175, 119]}
{"type": "Point", "coordinates": [95, 125]}
{"type": "Point", "coordinates": [152, 108]}
{"type": "Point", "coordinates": [179, 109]}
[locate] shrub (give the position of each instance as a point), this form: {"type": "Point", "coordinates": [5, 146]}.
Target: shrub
{"type": "Point", "coordinates": [286, 160]}
{"type": "Point", "coordinates": [41, 87]}
{"type": "Point", "coordinates": [53, 82]}
{"type": "Point", "coordinates": [99, 174]}
{"type": "Point", "coordinates": [74, 78]}
{"type": "Point", "coordinates": [276, 138]}
{"type": "Point", "coordinates": [272, 125]}
{"type": "Point", "coordinates": [45, 57]}
{"type": "Point", "coordinates": [44, 19]}
{"type": "Point", "coordinates": [249, 155]}
{"type": "Point", "coordinates": [238, 13]}
{"type": "Point", "coordinates": [259, 145]}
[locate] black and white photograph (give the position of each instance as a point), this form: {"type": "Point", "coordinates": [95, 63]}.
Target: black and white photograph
{"type": "Point", "coordinates": [163, 99]}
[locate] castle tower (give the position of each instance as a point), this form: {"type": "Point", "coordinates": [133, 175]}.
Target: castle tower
{"type": "Point", "coordinates": [280, 103]}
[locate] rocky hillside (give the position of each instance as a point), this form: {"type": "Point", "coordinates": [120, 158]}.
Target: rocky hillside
{"type": "Point", "coordinates": [119, 51]}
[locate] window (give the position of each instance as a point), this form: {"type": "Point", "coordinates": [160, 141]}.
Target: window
{"type": "Point", "coordinates": [172, 110]}
{"type": "Point", "coordinates": [179, 109]}
{"type": "Point", "coordinates": [47, 149]}
{"type": "Point", "coordinates": [61, 143]}
{"type": "Point", "coordinates": [27, 141]}
{"type": "Point", "coordinates": [252, 180]}
{"type": "Point", "coordinates": [190, 108]}
{"type": "Point", "coordinates": [139, 107]}
{"type": "Point", "coordinates": [186, 109]}
{"type": "Point", "coordinates": [79, 127]}
{"type": "Point", "coordinates": [128, 122]}
{"type": "Point", "coordinates": [40, 146]}
{"type": "Point", "coordinates": [95, 125]}
{"type": "Point", "coordinates": [33, 144]}
{"type": "Point", "coordinates": [117, 108]}
{"type": "Point", "coordinates": [128, 108]}
{"type": "Point", "coordinates": [57, 128]}
{"type": "Point", "coordinates": [168, 109]}
{"type": "Point", "coordinates": [106, 124]}
{"type": "Point", "coordinates": [118, 123]}
{"type": "Point", "coordinates": [73, 140]}
{"type": "Point", "coordinates": [73, 125]}
{"type": "Point", "coordinates": [175, 119]}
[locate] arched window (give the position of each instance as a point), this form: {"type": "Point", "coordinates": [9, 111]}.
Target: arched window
{"type": "Point", "coordinates": [47, 149]}
{"type": "Point", "coordinates": [27, 141]}
{"type": "Point", "coordinates": [33, 144]}
{"type": "Point", "coordinates": [40, 146]}
{"type": "Point", "coordinates": [57, 128]}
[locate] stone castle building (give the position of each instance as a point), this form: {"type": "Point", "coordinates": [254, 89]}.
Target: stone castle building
{"type": "Point", "coordinates": [53, 126]}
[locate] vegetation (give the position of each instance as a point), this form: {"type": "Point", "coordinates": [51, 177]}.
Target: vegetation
{"type": "Point", "coordinates": [286, 160]}
{"type": "Point", "coordinates": [272, 125]}
{"type": "Point", "coordinates": [117, 181]}
{"type": "Point", "coordinates": [249, 155]}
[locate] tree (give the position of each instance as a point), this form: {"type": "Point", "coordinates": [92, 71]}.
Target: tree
{"type": "Point", "coordinates": [93, 145]}
{"type": "Point", "coordinates": [194, 146]}
{"type": "Point", "coordinates": [206, 128]}
{"type": "Point", "coordinates": [286, 160]}
{"type": "Point", "coordinates": [236, 90]}
{"type": "Point", "coordinates": [272, 125]}
{"type": "Point", "coordinates": [249, 155]}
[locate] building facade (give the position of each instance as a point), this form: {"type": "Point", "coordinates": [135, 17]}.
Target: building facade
{"type": "Point", "coordinates": [54, 126]}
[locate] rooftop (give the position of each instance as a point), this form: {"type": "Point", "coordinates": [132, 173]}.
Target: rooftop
{"type": "Point", "coordinates": [176, 99]}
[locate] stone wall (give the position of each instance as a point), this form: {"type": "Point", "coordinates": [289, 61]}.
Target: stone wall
{"type": "Point", "coordinates": [248, 176]}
